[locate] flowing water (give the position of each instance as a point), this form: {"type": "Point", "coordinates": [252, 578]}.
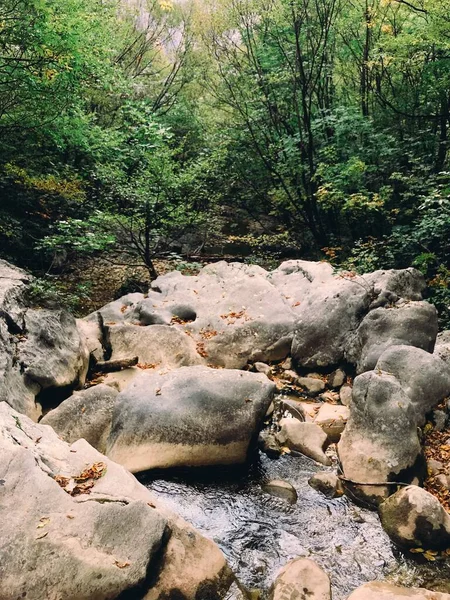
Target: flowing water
{"type": "Point", "coordinates": [259, 533]}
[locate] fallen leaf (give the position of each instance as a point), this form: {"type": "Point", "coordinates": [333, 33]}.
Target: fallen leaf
{"type": "Point", "coordinates": [121, 565]}
{"type": "Point", "coordinates": [43, 522]}
{"type": "Point", "coordinates": [39, 537]}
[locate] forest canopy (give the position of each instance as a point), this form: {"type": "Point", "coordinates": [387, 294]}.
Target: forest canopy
{"type": "Point", "coordinates": [306, 128]}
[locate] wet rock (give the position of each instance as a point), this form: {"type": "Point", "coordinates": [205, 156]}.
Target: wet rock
{"type": "Point", "coordinates": [307, 438]}
{"type": "Point", "coordinates": [327, 483]}
{"type": "Point", "coordinates": [345, 395]}
{"type": "Point", "coordinates": [301, 578]}
{"type": "Point", "coordinates": [281, 489]}
{"type": "Point", "coordinates": [332, 418]}
{"type": "Point", "coordinates": [370, 449]}
{"type": "Point", "coordinates": [413, 518]}
{"type": "Point", "coordinates": [158, 345]}
{"type": "Point", "coordinates": [93, 545]}
{"type": "Point", "coordinates": [86, 414]}
{"type": "Point", "coordinates": [192, 416]}
{"type": "Point", "coordinates": [381, 590]}
{"type": "Point", "coordinates": [406, 323]}
{"type": "Point", "coordinates": [336, 378]}
{"type": "Point", "coordinates": [268, 444]}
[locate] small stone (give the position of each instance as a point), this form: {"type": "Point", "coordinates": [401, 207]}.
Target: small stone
{"type": "Point", "coordinates": [332, 418]}
{"type": "Point", "coordinates": [270, 410]}
{"type": "Point", "coordinates": [304, 411]}
{"type": "Point", "coordinates": [331, 397]}
{"type": "Point", "coordinates": [287, 364]}
{"type": "Point", "coordinates": [261, 367]}
{"type": "Point", "coordinates": [443, 481]}
{"type": "Point", "coordinates": [307, 438]}
{"type": "Point", "coordinates": [434, 467]}
{"type": "Point", "coordinates": [327, 483]}
{"type": "Point", "coordinates": [440, 420]}
{"type": "Point", "coordinates": [301, 578]}
{"type": "Point", "coordinates": [336, 378]}
{"type": "Point", "coordinates": [345, 395]}
{"type": "Point", "coordinates": [313, 385]}
{"type": "Point", "coordinates": [281, 489]}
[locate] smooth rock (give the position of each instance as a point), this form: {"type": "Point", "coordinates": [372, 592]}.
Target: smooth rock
{"type": "Point", "coordinates": [434, 467]}
{"type": "Point", "coordinates": [86, 414]}
{"type": "Point", "coordinates": [301, 579]}
{"type": "Point", "coordinates": [382, 590]}
{"type": "Point", "coordinates": [158, 345]}
{"type": "Point", "coordinates": [336, 378]}
{"type": "Point", "coordinates": [327, 483]}
{"type": "Point", "coordinates": [281, 489]}
{"type": "Point", "coordinates": [413, 518]}
{"type": "Point", "coordinates": [345, 395]}
{"type": "Point", "coordinates": [424, 377]}
{"type": "Point", "coordinates": [120, 380]}
{"type": "Point", "coordinates": [371, 449]}
{"type": "Point", "coordinates": [332, 418]}
{"type": "Point", "coordinates": [192, 416]}
{"type": "Point", "coordinates": [406, 323]}
{"type": "Point", "coordinates": [313, 385]}
{"type": "Point", "coordinates": [261, 367]}
{"type": "Point", "coordinates": [307, 438]}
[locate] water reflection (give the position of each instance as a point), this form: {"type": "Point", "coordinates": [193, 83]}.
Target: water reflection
{"type": "Point", "coordinates": [259, 533]}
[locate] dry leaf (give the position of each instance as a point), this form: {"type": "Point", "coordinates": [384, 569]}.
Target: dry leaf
{"type": "Point", "coordinates": [121, 565]}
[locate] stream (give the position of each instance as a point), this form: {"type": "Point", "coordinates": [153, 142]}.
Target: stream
{"type": "Point", "coordinates": [259, 533]}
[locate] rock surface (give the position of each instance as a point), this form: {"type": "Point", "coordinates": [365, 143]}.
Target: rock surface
{"type": "Point", "coordinates": [192, 416]}
{"type": "Point", "coordinates": [301, 579]}
{"type": "Point", "coordinates": [281, 489]}
{"type": "Point", "coordinates": [326, 483]}
{"type": "Point", "coordinates": [381, 590]}
{"type": "Point", "coordinates": [332, 418]}
{"type": "Point", "coordinates": [86, 414]}
{"type": "Point", "coordinates": [413, 518]}
{"type": "Point", "coordinates": [307, 438]}
{"type": "Point", "coordinates": [98, 538]}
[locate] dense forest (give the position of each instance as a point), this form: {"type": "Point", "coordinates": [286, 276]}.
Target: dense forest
{"type": "Point", "coordinates": [306, 128]}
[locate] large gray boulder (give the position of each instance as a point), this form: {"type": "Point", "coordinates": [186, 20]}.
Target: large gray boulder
{"type": "Point", "coordinates": [96, 530]}
{"type": "Point", "coordinates": [158, 345]}
{"type": "Point", "coordinates": [382, 590]}
{"type": "Point", "coordinates": [405, 323]}
{"type": "Point", "coordinates": [391, 284]}
{"type": "Point", "coordinates": [300, 579]}
{"type": "Point", "coordinates": [13, 285]}
{"type": "Point", "coordinates": [371, 449]}
{"type": "Point", "coordinates": [424, 377]}
{"type": "Point", "coordinates": [87, 415]}
{"type": "Point", "coordinates": [413, 518]}
{"type": "Point", "coordinates": [192, 416]}
{"type": "Point", "coordinates": [51, 350]}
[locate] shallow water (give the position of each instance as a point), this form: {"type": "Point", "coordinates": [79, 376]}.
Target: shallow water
{"type": "Point", "coordinates": [259, 533]}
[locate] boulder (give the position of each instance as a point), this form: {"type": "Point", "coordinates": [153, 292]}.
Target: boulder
{"type": "Point", "coordinates": [240, 316]}
{"type": "Point", "coordinates": [423, 376]}
{"type": "Point", "coordinates": [332, 419]}
{"type": "Point", "coordinates": [307, 438]}
{"type": "Point", "coordinates": [381, 590]}
{"type": "Point", "coordinates": [119, 380]}
{"type": "Point", "coordinates": [370, 449]}
{"type": "Point", "coordinates": [336, 378]}
{"type": "Point", "coordinates": [326, 318]}
{"type": "Point", "coordinates": [192, 416]}
{"type": "Point", "coordinates": [405, 323]}
{"type": "Point", "coordinates": [300, 579]}
{"type": "Point", "coordinates": [312, 384]}
{"type": "Point", "coordinates": [13, 286]}
{"type": "Point", "coordinates": [86, 414]}
{"type": "Point", "coordinates": [327, 483]}
{"type": "Point", "coordinates": [442, 348]}
{"type": "Point", "coordinates": [101, 535]}
{"type": "Point", "coordinates": [158, 345]}
{"type": "Point", "coordinates": [51, 350]}
{"type": "Point", "coordinates": [413, 518]}
{"type": "Point", "coordinates": [402, 283]}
